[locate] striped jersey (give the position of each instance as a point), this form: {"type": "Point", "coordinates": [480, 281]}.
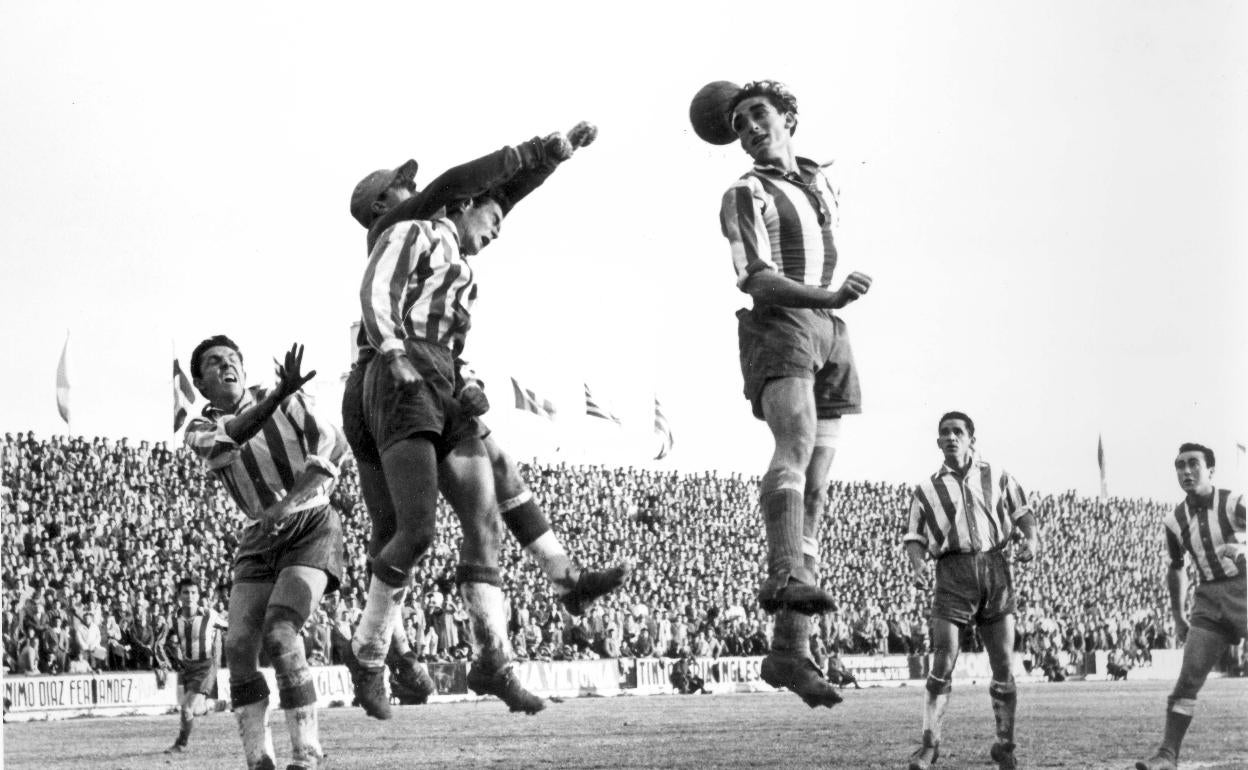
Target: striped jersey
{"type": "Point", "coordinates": [783, 222]}
{"type": "Point", "coordinates": [1198, 527]}
{"type": "Point", "coordinates": [196, 636]}
{"type": "Point", "coordinates": [261, 471]}
{"type": "Point", "coordinates": [973, 512]}
{"type": "Point", "coordinates": [418, 286]}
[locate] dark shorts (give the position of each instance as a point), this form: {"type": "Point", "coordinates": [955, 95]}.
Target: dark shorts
{"type": "Point", "coordinates": [973, 588]}
{"type": "Point", "coordinates": [310, 538]}
{"type": "Point", "coordinates": [1222, 607]}
{"type": "Point", "coordinates": [354, 423]}
{"type": "Point", "coordinates": [429, 410]}
{"type": "Point", "coordinates": [198, 676]}
{"type": "Point", "coordinates": [778, 342]}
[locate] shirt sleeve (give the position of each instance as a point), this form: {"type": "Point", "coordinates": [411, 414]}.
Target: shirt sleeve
{"type": "Point", "coordinates": [741, 219]}
{"type": "Point", "coordinates": [1175, 549]}
{"type": "Point", "coordinates": [1014, 498]}
{"type": "Point", "coordinates": [209, 441]}
{"type": "Point", "coordinates": [916, 528]}
{"type": "Point", "coordinates": [384, 288]}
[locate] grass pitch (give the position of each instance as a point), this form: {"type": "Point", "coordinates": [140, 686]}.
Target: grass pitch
{"type": "Point", "coordinates": [1069, 725]}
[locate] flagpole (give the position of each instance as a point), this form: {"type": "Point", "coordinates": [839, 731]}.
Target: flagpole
{"type": "Point", "coordinates": [173, 353]}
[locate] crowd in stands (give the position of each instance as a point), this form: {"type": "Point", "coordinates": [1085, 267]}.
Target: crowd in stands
{"type": "Point", "coordinates": [96, 533]}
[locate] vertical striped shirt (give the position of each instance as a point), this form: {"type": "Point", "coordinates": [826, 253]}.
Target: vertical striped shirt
{"type": "Point", "coordinates": [1198, 527]}
{"type": "Point", "coordinates": [782, 222]}
{"type": "Point", "coordinates": [973, 512]}
{"type": "Point", "coordinates": [261, 471]}
{"type": "Point", "coordinates": [418, 286]}
{"type": "Point", "coordinates": [196, 635]}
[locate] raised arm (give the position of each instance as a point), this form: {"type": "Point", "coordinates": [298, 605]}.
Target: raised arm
{"type": "Point", "coordinates": [515, 171]}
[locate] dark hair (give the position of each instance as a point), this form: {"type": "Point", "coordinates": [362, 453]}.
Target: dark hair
{"type": "Point", "coordinates": [1204, 450]}
{"type": "Point", "coordinates": [774, 92]}
{"type": "Point", "coordinates": [217, 340]}
{"type": "Point", "coordinates": [187, 581]}
{"type": "Point", "coordinates": [462, 204]}
{"type": "Point", "coordinates": [970, 424]}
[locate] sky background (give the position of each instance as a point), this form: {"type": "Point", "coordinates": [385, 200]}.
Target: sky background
{"type": "Point", "coordinates": [1050, 198]}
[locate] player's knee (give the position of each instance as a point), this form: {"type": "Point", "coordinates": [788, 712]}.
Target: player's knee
{"type": "Point", "coordinates": [280, 632]}
{"type": "Point", "coordinates": [943, 661]}
{"type": "Point", "coordinates": [816, 503]}
{"type": "Point", "coordinates": [1187, 686]}
{"type": "Point", "coordinates": [240, 651]}
{"type": "Point", "coordinates": [939, 685]}
{"type": "Point", "coordinates": [416, 537]}
{"type": "Point", "coordinates": [507, 479]}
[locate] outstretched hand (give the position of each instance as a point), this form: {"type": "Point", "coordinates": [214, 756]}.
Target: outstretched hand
{"type": "Point", "coordinates": [289, 377]}
{"type": "Point", "coordinates": [557, 147]}
{"type": "Point", "coordinates": [582, 134]}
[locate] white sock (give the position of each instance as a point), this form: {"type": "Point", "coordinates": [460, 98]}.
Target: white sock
{"type": "Point", "coordinates": [397, 632]}
{"type": "Point", "coordinates": [253, 726]}
{"type": "Point", "coordinates": [305, 743]}
{"type": "Point", "coordinates": [548, 552]}
{"type": "Point", "coordinates": [372, 635]}
{"type": "Point", "coordinates": [487, 614]}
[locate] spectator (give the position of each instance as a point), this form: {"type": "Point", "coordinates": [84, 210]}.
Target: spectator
{"type": "Point", "coordinates": [97, 525]}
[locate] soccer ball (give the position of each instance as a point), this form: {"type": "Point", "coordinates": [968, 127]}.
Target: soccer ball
{"type": "Point", "coordinates": [708, 112]}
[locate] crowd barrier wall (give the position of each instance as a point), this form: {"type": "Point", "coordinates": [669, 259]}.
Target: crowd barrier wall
{"type": "Point", "coordinates": [136, 692]}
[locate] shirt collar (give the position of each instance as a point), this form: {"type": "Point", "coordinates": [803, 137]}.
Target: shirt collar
{"type": "Point", "coordinates": [1204, 503]}
{"type": "Point", "coordinates": [450, 226]}
{"type": "Point", "coordinates": [803, 164]}
{"type": "Point", "coordinates": [945, 470]}
{"type": "Point", "coordinates": [249, 398]}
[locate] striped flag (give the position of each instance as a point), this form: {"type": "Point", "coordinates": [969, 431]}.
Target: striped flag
{"type": "Point", "coordinates": [662, 429]}
{"type": "Point", "coordinates": [62, 382]}
{"type": "Point", "coordinates": [529, 401]}
{"type": "Point", "coordinates": [183, 396]}
{"type": "Point", "coordinates": [1100, 463]}
{"type": "Point", "coordinates": [594, 409]}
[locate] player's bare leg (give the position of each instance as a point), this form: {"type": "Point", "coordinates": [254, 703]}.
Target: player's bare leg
{"type": "Point", "coordinates": [190, 705]}
{"type": "Point", "coordinates": [791, 589]}
{"type": "Point", "coordinates": [575, 587]}
{"type": "Point", "coordinates": [1200, 653]}
{"type": "Point", "coordinates": [296, 592]}
{"type": "Point", "coordinates": [945, 636]}
{"type": "Point", "coordinates": [410, 467]}
{"type": "Point", "coordinates": [249, 692]}
{"type": "Point", "coordinates": [467, 482]}
{"type": "Point", "coordinates": [999, 644]}
{"type": "Point", "coordinates": [407, 669]}
{"type": "Point", "coordinates": [816, 498]}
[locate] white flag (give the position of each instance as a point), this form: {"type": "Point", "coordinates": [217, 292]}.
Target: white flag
{"type": "Point", "coordinates": [62, 382]}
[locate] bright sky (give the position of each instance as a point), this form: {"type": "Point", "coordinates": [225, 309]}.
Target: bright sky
{"type": "Point", "coordinates": [1049, 196]}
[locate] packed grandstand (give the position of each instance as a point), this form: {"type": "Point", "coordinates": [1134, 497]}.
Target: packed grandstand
{"type": "Point", "coordinates": [97, 532]}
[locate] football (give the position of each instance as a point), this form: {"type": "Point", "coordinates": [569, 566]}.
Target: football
{"type": "Point", "coordinates": [708, 112]}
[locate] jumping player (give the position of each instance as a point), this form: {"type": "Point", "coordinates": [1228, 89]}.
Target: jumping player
{"type": "Point", "coordinates": [781, 221]}
{"type": "Point", "coordinates": [964, 516]}
{"type": "Point", "coordinates": [279, 461]}
{"type": "Point", "coordinates": [381, 199]}
{"type": "Point", "coordinates": [386, 196]}
{"type": "Point", "coordinates": [1209, 526]}
{"type": "Point", "coordinates": [192, 648]}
